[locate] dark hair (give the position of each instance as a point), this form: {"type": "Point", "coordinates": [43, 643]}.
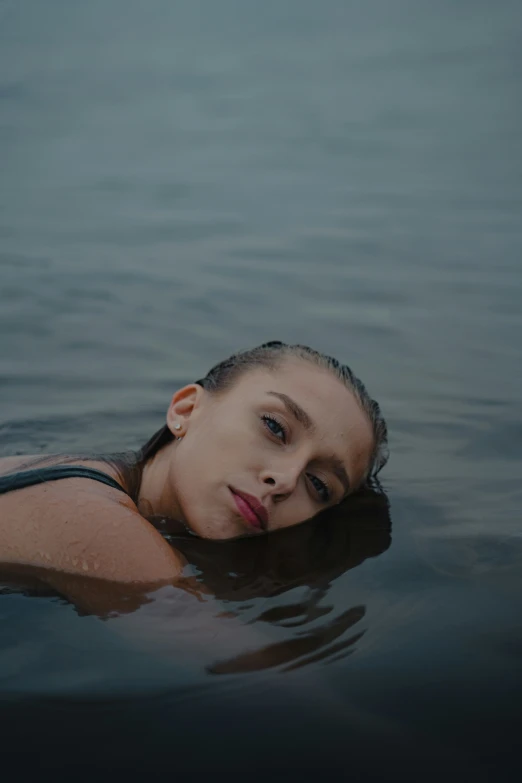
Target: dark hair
{"type": "Point", "coordinates": [223, 375]}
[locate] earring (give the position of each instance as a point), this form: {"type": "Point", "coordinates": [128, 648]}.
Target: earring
{"type": "Point", "coordinates": [177, 426]}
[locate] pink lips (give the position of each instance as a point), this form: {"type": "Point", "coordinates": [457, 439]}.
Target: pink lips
{"type": "Point", "coordinates": [250, 509]}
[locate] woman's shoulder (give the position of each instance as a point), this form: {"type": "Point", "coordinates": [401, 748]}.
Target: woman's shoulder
{"type": "Point", "coordinates": [80, 526]}
{"type": "Point", "coordinates": [12, 464]}
{"type": "Point", "coordinates": [23, 462]}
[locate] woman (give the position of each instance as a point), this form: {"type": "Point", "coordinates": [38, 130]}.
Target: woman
{"type": "Point", "coordinates": [269, 438]}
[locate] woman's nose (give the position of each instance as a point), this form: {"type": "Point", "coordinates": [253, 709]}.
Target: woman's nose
{"type": "Point", "coordinates": [282, 482]}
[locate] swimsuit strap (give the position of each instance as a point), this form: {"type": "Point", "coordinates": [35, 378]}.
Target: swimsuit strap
{"type": "Point", "coordinates": [28, 478]}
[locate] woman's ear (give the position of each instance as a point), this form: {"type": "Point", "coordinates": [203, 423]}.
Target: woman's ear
{"type": "Point", "coordinates": [181, 408]}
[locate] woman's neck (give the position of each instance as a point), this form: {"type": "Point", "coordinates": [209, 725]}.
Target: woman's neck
{"type": "Point", "coordinates": [157, 496]}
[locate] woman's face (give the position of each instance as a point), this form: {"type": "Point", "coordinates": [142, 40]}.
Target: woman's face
{"type": "Point", "coordinates": [275, 449]}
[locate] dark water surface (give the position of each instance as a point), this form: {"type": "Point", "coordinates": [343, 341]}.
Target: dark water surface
{"type": "Point", "coordinates": [179, 180]}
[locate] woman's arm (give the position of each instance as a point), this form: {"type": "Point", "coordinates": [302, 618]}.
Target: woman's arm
{"type": "Point", "coordinates": [78, 527]}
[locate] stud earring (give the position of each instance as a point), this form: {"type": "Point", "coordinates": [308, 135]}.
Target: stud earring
{"type": "Point", "coordinates": [177, 426]}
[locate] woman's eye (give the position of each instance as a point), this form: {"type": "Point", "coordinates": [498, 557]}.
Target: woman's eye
{"type": "Point", "coordinates": [320, 487]}
{"type": "Point", "coordinates": [275, 428]}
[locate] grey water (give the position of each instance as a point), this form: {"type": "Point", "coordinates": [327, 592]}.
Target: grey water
{"type": "Point", "coordinates": [179, 180]}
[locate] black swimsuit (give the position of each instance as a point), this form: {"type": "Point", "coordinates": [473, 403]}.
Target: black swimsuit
{"type": "Point", "coordinates": [28, 478]}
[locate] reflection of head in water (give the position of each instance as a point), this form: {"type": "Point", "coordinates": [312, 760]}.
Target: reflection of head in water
{"type": "Point", "coordinates": [312, 554]}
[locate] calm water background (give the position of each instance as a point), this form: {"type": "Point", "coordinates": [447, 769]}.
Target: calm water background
{"type": "Point", "coordinates": [179, 180]}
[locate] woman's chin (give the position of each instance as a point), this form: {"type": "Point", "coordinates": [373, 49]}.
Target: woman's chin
{"type": "Point", "coordinates": [215, 530]}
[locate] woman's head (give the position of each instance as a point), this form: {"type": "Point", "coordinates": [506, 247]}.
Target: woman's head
{"type": "Point", "coordinates": [269, 438]}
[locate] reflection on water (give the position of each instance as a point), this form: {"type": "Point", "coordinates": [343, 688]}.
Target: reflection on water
{"type": "Point", "coordinates": [309, 647]}
{"type": "Point", "coordinates": [240, 584]}
{"type": "Point", "coordinates": [310, 556]}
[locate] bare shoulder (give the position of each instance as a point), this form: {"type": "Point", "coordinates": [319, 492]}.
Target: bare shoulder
{"type": "Point", "coordinates": [78, 526]}
{"type": "Point", "coordinates": [11, 464]}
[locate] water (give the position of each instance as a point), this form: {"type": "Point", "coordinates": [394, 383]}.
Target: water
{"type": "Point", "coordinates": [182, 180]}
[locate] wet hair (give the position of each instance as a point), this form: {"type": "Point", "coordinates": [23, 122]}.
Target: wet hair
{"type": "Point", "coordinates": [270, 355]}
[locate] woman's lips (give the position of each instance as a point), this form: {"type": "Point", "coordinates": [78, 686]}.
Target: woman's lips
{"type": "Point", "coordinates": [250, 509]}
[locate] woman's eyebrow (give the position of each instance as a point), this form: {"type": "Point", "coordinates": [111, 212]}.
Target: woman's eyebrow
{"type": "Point", "coordinates": [295, 409]}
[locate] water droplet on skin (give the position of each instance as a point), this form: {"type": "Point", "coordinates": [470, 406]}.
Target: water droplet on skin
{"type": "Point", "coordinates": [85, 566]}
